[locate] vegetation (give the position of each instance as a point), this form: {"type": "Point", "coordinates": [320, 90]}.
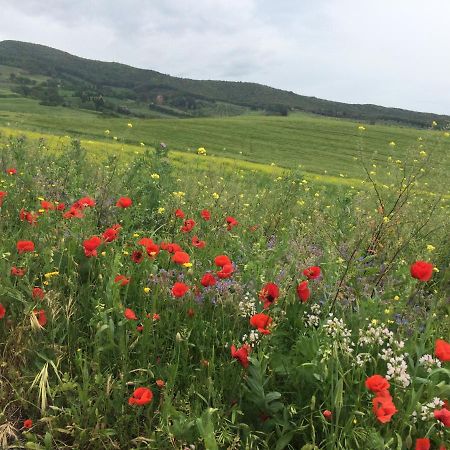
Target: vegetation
{"type": "Point", "coordinates": [103, 348]}
{"type": "Point", "coordinates": [119, 89]}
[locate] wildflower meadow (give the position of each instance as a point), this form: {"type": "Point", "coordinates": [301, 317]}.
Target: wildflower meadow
{"type": "Point", "coordinates": [148, 302]}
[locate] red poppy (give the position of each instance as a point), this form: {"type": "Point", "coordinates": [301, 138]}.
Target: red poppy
{"type": "Point", "coordinates": [130, 314]}
{"type": "Point", "coordinates": [179, 289]}
{"type": "Point", "coordinates": [124, 202]}
{"type": "Point", "coordinates": [180, 258]}
{"type": "Point", "coordinates": [262, 322]}
{"type": "Point", "coordinates": [11, 171]}
{"type": "Point", "coordinates": [122, 280]}
{"type": "Point", "coordinates": [137, 256]}
{"type": "Point", "coordinates": [327, 414]}
{"type": "Point", "coordinates": [47, 205]}
{"type": "Point", "coordinates": [156, 317]}
{"type": "Point", "coordinates": [221, 260]}
{"type": "Point", "coordinates": [423, 444]}
{"type": "Point", "coordinates": [269, 294]}
{"type": "Point", "coordinates": [172, 248]}
{"type": "Point", "coordinates": [208, 280]}
{"type": "Point", "coordinates": [61, 207]}
{"type": "Point", "coordinates": [145, 241]}
{"type": "Point", "coordinates": [442, 350]}
{"type": "Point", "coordinates": [140, 328]}
{"type": "Point", "coordinates": [241, 355]}
{"type": "Point", "coordinates": [84, 202]}
{"type": "Point", "coordinates": [27, 423]}
{"type": "Point", "coordinates": [41, 317]}
{"type": "Point", "coordinates": [152, 250]}
{"type": "Point", "coordinates": [3, 194]}
{"type": "Point", "coordinates": [25, 246]}
{"type": "Point", "coordinates": [28, 216]}
{"type": "Point", "coordinates": [196, 242]}
{"type": "Point", "coordinates": [179, 213]}
{"type": "Point", "coordinates": [188, 225]}
{"type": "Point", "coordinates": [383, 408]}
{"type": "Point", "coordinates": [141, 396]}
{"type": "Point", "coordinates": [422, 270]}
{"type": "Point", "coordinates": [91, 245]}
{"type": "Point", "coordinates": [377, 383]}
{"type": "Point", "coordinates": [160, 383]}
{"type": "Point", "coordinates": [73, 213]}
{"type": "Point", "coordinates": [312, 272]}
{"type": "Point", "coordinates": [303, 291]}
{"type": "Point", "coordinates": [226, 271]}
{"type": "Point", "coordinates": [37, 292]}
{"type": "Point", "coordinates": [2, 311]}
{"type": "Point", "coordinates": [18, 272]}
{"type": "Point", "coordinates": [206, 215]}
{"type": "Point", "coordinates": [111, 234]}
{"type": "Point", "coordinates": [231, 222]}
{"type": "Point", "coordinates": [443, 415]}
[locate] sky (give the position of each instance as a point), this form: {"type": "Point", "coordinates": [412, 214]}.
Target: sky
{"type": "Point", "coordinates": [386, 52]}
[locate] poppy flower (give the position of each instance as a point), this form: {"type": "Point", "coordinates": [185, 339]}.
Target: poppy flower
{"type": "Point", "coordinates": [91, 245]}
{"type": "Point", "coordinates": [47, 205]}
{"type": "Point", "coordinates": [25, 246]}
{"type": "Point", "coordinates": [423, 444]}
{"type": "Point", "coordinates": [442, 350]}
{"type": "Point", "coordinates": [377, 383]}
{"type": "Point", "coordinates": [172, 248]}
{"type": "Point", "coordinates": [137, 256]}
{"type": "Point", "coordinates": [241, 355]}
{"type": "Point", "coordinates": [124, 202]}
{"type": "Point", "coordinates": [122, 280]}
{"type": "Point", "coordinates": [61, 207]}
{"type": "Point", "coordinates": [443, 415]}
{"type": "Point", "coordinates": [180, 258]}
{"type": "Point", "coordinates": [303, 291]}
{"type": "Point", "coordinates": [84, 202]}
{"type": "Point", "coordinates": [140, 328]}
{"type": "Point", "coordinates": [231, 222]}
{"type": "Point", "coordinates": [327, 414]}
{"type": "Point", "coordinates": [28, 216]}
{"type": "Point", "coordinates": [422, 270]}
{"type": "Point", "coordinates": [73, 213]}
{"type": "Point", "coordinates": [208, 280]}
{"type": "Point", "coordinates": [2, 311]}
{"type": "Point", "coordinates": [383, 408]}
{"type": "Point", "coordinates": [156, 317]}
{"type": "Point", "coordinates": [221, 260]}
{"type": "Point", "coordinates": [196, 242]}
{"type": "Point", "coordinates": [141, 396]}
{"type": "Point", "coordinates": [41, 317]}
{"type": "Point", "coordinates": [226, 271]}
{"type": "Point", "coordinates": [17, 271]}
{"type": "Point", "coordinates": [3, 194]}
{"type": "Point", "coordinates": [28, 423]}
{"type": "Point", "coordinates": [160, 383]}
{"type": "Point", "coordinates": [269, 294]}
{"type": "Point", "coordinates": [37, 292]}
{"type": "Point", "coordinates": [188, 225]}
{"type": "Point", "coordinates": [312, 272]}
{"type": "Point", "coordinates": [130, 314]}
{"type": "Point", "coordinates": [206, 215]}
{"type": "Point", "coordinates": [110, 234]}
{"type": "Point", "coordinates": [179, 213]}
{"type": "Point", "coordinates": [262, 322]}
{"type": "Point", "coordinates": [11, 171]}
{"type": "Point", "coordinates": [152, 250]}
{"type": "Point", "coordinates": [145, 241]}
{"type": "Point", "coordinates": [179, 289]}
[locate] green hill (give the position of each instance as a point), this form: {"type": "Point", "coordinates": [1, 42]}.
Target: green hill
{"type": "Point", "coordinates": [58, 78]}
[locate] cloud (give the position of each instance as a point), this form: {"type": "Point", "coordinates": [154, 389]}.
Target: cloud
{"type": "Point", "coordinates": [384, 52]}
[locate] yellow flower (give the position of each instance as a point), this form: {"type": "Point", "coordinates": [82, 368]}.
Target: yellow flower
{"type": "Point", "coordinates": [386, 219]}
{"type": "Point", "coordinates": [201, 151]}
{"type": "Point", "coordinates": [361, 128]}
{"type": "Point", "coordinates": [215, 195]}
{"type": "Point", "coordinates": [135, 235]}
{"type": "Point", "coordinates": [103, 253]}
{"type": "Point", "coordinates": [42, 211]}
{"type": "Point", "coordinates": [392, 144]}
{"type": "Point", "coordinates": [154, 176]}
{"type": "Point", "coordinates": [396, 298]}
{"type": "Point", "coordinates": [374, 321]}
{"type": "Point", "coordinates": [179, 194]}
{"type": "Point", "coordinates": [142, 144]}
{"type": "Point", "coordinates": [161, 210]}
{"type": "Point", "coordinates": [422, 153]}
{"type": "Point", "coordinates": [51, 274]}
{"type": "Point", "coordinates": [146, 290]}
{"type": "Point", "coordinates": [431, 248]}
{"type": "Point", "coordinates": [434, 123]}
{"type": "Point", "coordinates": [130, 125]}
{"type": "Point", "coordinates": [41, 199]}
{"type": "Point", "coordinates": [188, 264]}
{"type": "Point", "coordinates": [387, 311]}
{"type": "Point", "coordinates": [107, 132]}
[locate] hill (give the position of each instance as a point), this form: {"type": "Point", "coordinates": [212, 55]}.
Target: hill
{"type": "Point", "coordinates": [55, 78]}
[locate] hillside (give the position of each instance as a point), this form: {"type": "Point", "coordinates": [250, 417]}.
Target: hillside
{"type": "Point", "coordinates": [58, 78]}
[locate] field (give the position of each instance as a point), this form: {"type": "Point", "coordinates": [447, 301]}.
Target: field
{"type": "Point", "coordinates": [285, 288]}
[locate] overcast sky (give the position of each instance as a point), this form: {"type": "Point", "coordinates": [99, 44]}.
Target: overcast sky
{"type": "Point", "coordinates": [387, 52]}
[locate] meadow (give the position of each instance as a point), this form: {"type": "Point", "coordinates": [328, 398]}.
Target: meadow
{"type": "Point", "coordinates": [187, 296]}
